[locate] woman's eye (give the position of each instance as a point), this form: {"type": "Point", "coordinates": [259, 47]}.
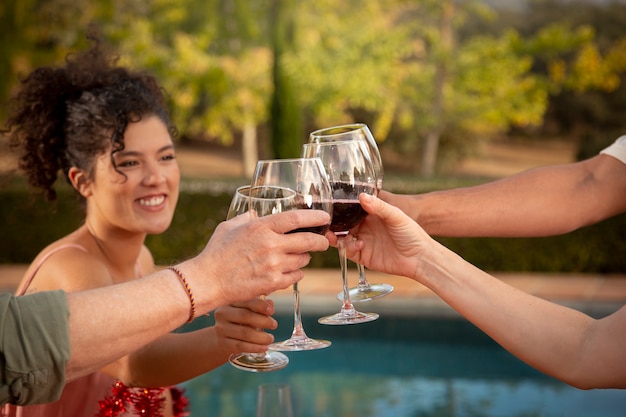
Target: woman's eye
{"type": "Point", "coordinates": [125, 164]}
{"type": "Point", "coordinates": [169, 157]}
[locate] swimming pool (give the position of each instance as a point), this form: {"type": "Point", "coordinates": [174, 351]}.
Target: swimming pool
{"type": "Point", "coordinates": [401, 366]}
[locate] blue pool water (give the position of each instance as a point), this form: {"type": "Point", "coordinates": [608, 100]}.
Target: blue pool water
{"type": "Point", "coordinates": [398, 366]}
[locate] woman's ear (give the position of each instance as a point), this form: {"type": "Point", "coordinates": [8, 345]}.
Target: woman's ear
{"type": "Point", "coordinates": [80, 181]}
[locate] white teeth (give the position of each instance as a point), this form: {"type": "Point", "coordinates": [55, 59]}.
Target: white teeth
{"type": "Point", "coordinates": [152, 201]}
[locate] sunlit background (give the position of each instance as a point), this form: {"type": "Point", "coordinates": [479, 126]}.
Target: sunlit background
{"type": "Point", "coordinates": [455, 92]}
{"type": "Point", "coordinates": [434, 79]}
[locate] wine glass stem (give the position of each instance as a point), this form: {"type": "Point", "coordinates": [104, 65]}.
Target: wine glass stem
{"type": "Point", "coordinates": [363, 283]}
{"type": "Point", "coordinates": [256, 356]}
{"type": "Point", "coordinates": [298, 329]}
{"type": "Point", "coordinates": [347, 307]}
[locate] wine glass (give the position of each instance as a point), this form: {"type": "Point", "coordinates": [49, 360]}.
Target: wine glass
{"type": "Point", "coordinates": [350, 173]}
{"type": "Point", "coordinates": [307, 177]}
{"type": "Point", "coordinates": [253, 362]}
{"type": "Point", "coordinates": [364, 291]}
{"type": "Point", "coordinates": [274, 400]}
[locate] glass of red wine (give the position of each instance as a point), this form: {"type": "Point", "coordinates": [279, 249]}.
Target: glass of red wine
{"type": "Point", "coordinates": [350, 172]}
{"type": "Point", "coordinates": [307, 179]}
{"type": "Point", "coordinates": [364, 291]}
{"type": "Point", "coordinates": [252, 362]}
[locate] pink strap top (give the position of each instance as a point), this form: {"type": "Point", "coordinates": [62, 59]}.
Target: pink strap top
{"type": "Point", "coordinates": [43, 259]}
{"type": "Point", "coordinates": [47, 256]}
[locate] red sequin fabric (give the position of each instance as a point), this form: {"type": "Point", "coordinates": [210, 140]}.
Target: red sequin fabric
{"type": "Point", "coordinates": [146, 402]}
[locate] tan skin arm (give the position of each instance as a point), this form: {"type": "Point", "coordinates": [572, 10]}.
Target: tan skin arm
{"type": "Point", "coordinates": [540, 202]}
{"type": "Point", "coordinates": [99, 326]}
{"type": "Point", "coordinates": [174, 358]}
{"type": "Point", "coordinates": [559, 341]}
{"type": "Point", "coordinates": [106, 323]}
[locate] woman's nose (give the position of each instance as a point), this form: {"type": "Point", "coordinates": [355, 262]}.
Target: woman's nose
{"type": "Point", "coordinates": [154, 174]}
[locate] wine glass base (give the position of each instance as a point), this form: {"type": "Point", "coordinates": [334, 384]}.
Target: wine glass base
{"type": "Point", "coordinates": [341, 318]}
{"type": "Point", "coordinates": [294, 344]}
{"type": "Point", "coordinates": [271, 361]}
{"type": "Point", "coordinates": [362, 294]}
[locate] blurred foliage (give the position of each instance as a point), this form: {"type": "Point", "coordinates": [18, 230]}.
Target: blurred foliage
{"type": "Point", "coordinates": [286, 118]}
{"type": "Point", "coordinates": [32, 223]}
{"type": "Point", "coordinates": [457, 73]}
{"type": "Point", "coordinates": [460, 72]}
{"type": "Point", "coordinates": [594, 117]}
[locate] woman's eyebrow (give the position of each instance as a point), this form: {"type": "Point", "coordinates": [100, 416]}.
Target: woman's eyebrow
{"type": "Point", "coordinates": [126, 152]}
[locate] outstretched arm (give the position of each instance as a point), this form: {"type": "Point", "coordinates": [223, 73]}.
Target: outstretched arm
{"type": "Point", "coordinates": [559, 341]}
{"type": "Point", "coordinates": [246, 257]}
{"type": "Point", "coordinates": [177, 357]}
{"type": "Point", "coordinates": [540, 202]}
{"type": "Point", "coordinates": [107, 323]}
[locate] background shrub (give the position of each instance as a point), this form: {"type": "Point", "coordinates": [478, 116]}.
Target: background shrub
{"type": "Point", "coordinates": [29, 223]}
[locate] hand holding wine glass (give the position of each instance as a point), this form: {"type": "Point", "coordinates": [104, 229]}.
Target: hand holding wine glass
{"type": "Point", "coordinates": [253, 362]}
{"type": "Point", "coordinates": [307, 179]}
{"type": "Point", "coordinates": [364, 291]}
{"type": "Point", "coordinates": [350, 173]}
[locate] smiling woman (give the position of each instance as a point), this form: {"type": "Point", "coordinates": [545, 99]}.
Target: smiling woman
{"type": "Point", "coordinates": [144, 177]}
{"type": "Point", "coordinates": [107, 129]}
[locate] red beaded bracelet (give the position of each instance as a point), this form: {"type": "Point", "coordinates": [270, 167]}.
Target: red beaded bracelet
{"type": "Point", "coordinates": [183, 280]}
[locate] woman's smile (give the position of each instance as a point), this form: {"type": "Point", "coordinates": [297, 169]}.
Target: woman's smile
{"type": "Point", "coordinates": [152, 201]}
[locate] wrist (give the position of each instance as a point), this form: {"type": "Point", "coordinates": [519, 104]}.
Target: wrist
{"type": "Point", "coordinates": [190, 294]}
{"type": "Point", "coordinates": [207, 296]}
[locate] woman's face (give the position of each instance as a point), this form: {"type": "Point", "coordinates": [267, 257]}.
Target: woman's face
{"type": "Point", "coordinates": [144, 198]}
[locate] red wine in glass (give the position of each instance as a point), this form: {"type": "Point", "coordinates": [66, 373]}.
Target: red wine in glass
{"type": "Point", "coordinates": [320, 230]}
{"type": "Point", "coordinates": [310, 189]}
{"type": "Point", "coordinates": [364, 291]}
{"type": "Point", "coordinates": [350, 173]}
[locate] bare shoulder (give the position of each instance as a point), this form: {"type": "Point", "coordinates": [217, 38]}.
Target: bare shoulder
{"type": "Point", "coordinates": [71, 268]}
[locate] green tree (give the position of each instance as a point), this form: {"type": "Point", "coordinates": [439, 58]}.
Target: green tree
{"type": "Point", "coordinates": [578, 51]}
{"type": "Point", "coordinates": [468, 89]}
{"type": "Point", "coordinates": [38, 33]}
{"type": "Point", "coordinates": [286, 118]}
{"type": "Point", "coordinates": [348, 61]}
{"type": "Point", "coordinates": [433, 79]}
{"type": "Point", "coordinates": [406, 70]}
{"type": "Point", "coordinates": [217, 75]}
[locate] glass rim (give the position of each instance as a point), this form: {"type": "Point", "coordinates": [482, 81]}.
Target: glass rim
{"type": "Point", "coordinates": [302, 158]}
{"type": "Point", "coordinates": [346, 142]}
{"type": "Point", "coordinates": [292, 193]}
{"type": "Point", "coordinates": [242, 190]}
{"type": "Point", "coordinates": [341, 129]}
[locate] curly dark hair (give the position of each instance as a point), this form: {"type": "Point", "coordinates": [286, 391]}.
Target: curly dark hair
{"type": "Point", "coordinates": [67, 116]}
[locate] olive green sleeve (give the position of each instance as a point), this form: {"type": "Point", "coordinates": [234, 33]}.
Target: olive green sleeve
{"type": "Point", "coordinates": [34, 347]}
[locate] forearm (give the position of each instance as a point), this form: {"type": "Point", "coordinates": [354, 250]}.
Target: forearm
{"type": "Point", "coordinates": [178, 357]}
{"type": "Point", "coordinates": [556, 340]}
{"type": "Point", "coordinates": [540, 202]}
{"type": "Point", "coordinates": [523, 205]}
{"type": "Point", "coordinates": [559, 341]}
{"type": "Point", "coordinates": [108, 323]}
{"type": "Point", "coordinates": [175, 358]}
